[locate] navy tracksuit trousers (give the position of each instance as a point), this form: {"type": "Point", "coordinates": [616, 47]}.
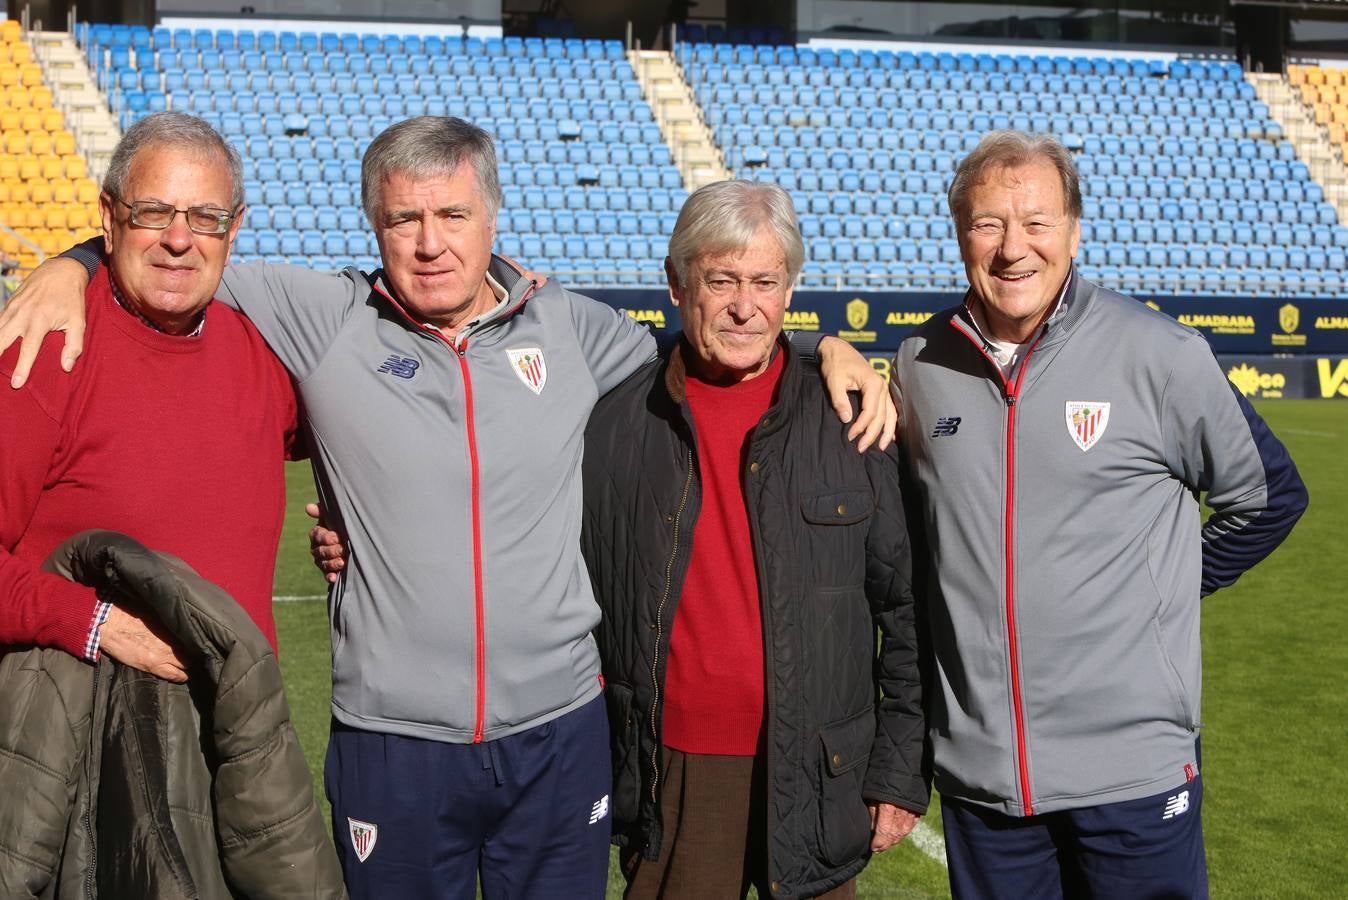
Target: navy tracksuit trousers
{"type": "Point", "coordinates": [528, 813]}
{"type": "Point", "coordinates": [1148, 848]}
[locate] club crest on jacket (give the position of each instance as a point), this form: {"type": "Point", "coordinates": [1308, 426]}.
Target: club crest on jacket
{"type": "Point", "coordinates": [529, 366]}
{"type": "Point", "coordinates": [1086, 422]}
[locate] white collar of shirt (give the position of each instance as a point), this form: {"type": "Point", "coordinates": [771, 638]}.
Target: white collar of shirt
{"type": "Point", "coordinates": [1007, 354]}
{"type": "Point", "coordinates": [497, 289]}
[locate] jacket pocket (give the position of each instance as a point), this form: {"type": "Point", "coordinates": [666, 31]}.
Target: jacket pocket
{"type": "Point", "coordinates": [624, 731]}
{"type": "Point", "coordinates": [838, 507]}
{"type": "Point", "coordinates": [844, 821]}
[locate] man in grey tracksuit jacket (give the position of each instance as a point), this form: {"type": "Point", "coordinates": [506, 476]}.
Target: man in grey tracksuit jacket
{"type": "Point", "coordinates": [1067, 558]}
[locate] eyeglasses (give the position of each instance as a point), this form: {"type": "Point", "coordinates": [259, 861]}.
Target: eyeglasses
{"type": "Point", "coordinates": [201, 219]}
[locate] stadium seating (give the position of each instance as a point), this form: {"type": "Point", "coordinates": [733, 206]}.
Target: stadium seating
{"type": "Point", "coordinates": [1182, 168]}
{"type": "Point", "coordinates": [572, 129]}
{"type": "Point", "coordinates": [1325, 91]}
{"type": "Point", "coordinates": [46, 197]}
{"type": "Point", "coordinates": [1189, 186]}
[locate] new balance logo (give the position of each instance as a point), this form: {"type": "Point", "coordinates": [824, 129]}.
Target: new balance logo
{"type": "Point", "coordinates": [599, 810]}
{"type": "Point", "coordinates": [946, 426]}
{"type": "Point", "coordinates": [1177, 805]}
{"type": "Point", "coordinates": [401, 366]}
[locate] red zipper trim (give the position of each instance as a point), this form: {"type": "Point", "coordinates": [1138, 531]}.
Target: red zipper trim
{"type": "Point", "coordinates": [1011, 392]}
{"type": "Point", "coordinates": [480, 714]}
{"type": "Point", "coordinates": [480, 633]}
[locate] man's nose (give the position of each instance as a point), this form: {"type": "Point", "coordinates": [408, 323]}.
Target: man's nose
{"type": "Point", "coordinates": [177, 236]}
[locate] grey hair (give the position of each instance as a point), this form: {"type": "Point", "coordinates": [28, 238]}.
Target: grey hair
{"type": "Point", "coordinates": [1010, 149]}
{"type": "Point", "coordinates": [427, 146]}
{"type": "Point", "coordinates": [172, 129]}
{"type": "Point", "coordinates": [724, 217]}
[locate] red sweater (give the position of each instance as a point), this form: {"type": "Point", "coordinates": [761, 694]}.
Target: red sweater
{"type": "Point", "coordinates": [175, 441]}
{"type": "Point", "coordinates": [714, 677]}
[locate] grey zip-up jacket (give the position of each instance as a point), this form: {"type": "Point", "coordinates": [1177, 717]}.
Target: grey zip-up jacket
{"type": "Point", "coordinates": [453, 470]}
{"type": "Point", "coordinates": [1065, 549]}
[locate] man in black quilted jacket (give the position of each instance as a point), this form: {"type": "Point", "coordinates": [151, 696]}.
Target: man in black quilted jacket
{"type": "Point", "coordinates": [744, 553]}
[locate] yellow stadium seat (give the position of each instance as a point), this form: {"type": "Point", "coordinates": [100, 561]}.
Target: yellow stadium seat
{"type": "Point", "coordinates": [1310, 94]}
{"type": "Point", "coordinates": [1338, 132]}
{"type": "Point", "coordinates": [63, 143]}
{"type": "Point", "coordinates": [9, 243]}
{"type": "Point", "coordinates": [1315, 75]}
{"type": "Point", "coordinates": [39, 192]}
{"type": "Point", "coordinates": [39, 142]}
{"type": "Point", "coordinates": [10, 120]}
{"type": "Point", "coordinates": [63, 190]}
{"type": "Point", "coordinates": [77, 217]}
{"type": "Point", "coordinates": [9, 31]}
{"type": "Point", "coordinates": [20, 53]}
{"type": "Point", "coordinates": [53, 167]}
{"type": "Point", "coordinates": [15, 142]}
{"type": "Point", "coordinates": [9, 76]}
{"type": "Point", "coordinates": [51, 242]}
{"type": "Point", "coordinates": [39, 97]}
{"type": "Point", "coordinates": [18, 191]}
{"type": "Point", "coordinates": [30, 120]}
{"type": "Point", "coordinates": [4, 192]}
{"type": "Point", "coordinates": [75, 166]}
{"type": "Point", "coordinates": [30, 74]}
{"type": "Point", "coordinates": [1295, 75]}
{"type": "Point", "coordinates": [30, 167]}
{"type": "Point", "coordinates": [9, 168]}
{"type": "Point", "coordinates": [56, 216]}
{"type": "Point", "coordinates": [53, 120]}
{"type": "Point", "coordinates": [86, 191]}
{"type": "Point", "coordinates": [1322, 116]}
{"type": "Point", "coordinates": [1339, 115]}
{"type": "Point", "coordinates": [1333, 76]}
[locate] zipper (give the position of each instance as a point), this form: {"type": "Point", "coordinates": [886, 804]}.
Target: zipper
{"type": "Point", "coordinates": [86, 818]}
{"type": "Point", "coordinates": [1010, 393]}
{"type": "Point", "coordinates": [479, 613]}
{"type": "Point", "coordinates": [460, 350]}
{"type": "Point", "coordinates": [765, 607]}
{"type": "Point", "coordinates": [660, 628]}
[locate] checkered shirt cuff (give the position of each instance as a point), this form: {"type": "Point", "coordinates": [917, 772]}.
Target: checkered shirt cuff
{"type": "Point", "coordinates": [101, 610]}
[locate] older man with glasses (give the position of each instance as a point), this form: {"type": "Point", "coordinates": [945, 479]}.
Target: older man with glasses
{"type": "Point", "coordinates": [178, 402]}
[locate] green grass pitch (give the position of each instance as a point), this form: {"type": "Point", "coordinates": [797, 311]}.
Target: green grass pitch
{"type": "Point", "coordinates": [1275, 691]}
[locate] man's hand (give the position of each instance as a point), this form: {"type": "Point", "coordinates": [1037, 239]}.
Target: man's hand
{"type": "Point", "coordinates": [326, 546]}
{"type": "Point", "coordinates": [134, 642]}
{"type": "Point", "coordinates": [50, 299]}
{"type": "Point", "coordinates": [889, 824]}
{"type": "Point", "coordinates": [845, 370]}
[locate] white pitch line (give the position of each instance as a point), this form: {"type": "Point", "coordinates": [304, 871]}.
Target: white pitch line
{"type": "Point", "coordinates": [296, 598]}
{"type": "Point", "coordinates": [929, 841]}
{"type": "Point", "coordinates": [1303, 432]}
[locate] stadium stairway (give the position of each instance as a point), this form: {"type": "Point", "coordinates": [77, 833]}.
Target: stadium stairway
{"type": "Point", "coordinates": [47, 200]}
{"type": "Point", "coordinates": [75, 92]}
{"type": "Point", "coordinates": [1315, 120]}
{"type": "Point", "coordinates": [695, 152]}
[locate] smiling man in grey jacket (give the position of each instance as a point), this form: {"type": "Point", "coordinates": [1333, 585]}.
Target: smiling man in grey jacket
{"type": "Point", "coordinates": [1058, 436]}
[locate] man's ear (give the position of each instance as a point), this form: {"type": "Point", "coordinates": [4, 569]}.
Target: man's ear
{"type": "Point", "coordinates": [105, 214]}
{"type": "Point", "coordinates": [236, 224]}
{"type": "Point", "coordinates": [672, 276]}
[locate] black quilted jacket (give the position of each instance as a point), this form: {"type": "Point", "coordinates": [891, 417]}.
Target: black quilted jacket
{"type": "Point", "coordinates": [119, 785]}
{"type": "Point", "coordinates": [844, 722]}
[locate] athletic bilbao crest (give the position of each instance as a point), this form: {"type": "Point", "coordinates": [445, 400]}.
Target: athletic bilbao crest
{"type": "Point", "coordinates": [363, 837]}
{"type": "Point", "coordinates": [1086, 422]}
{"type": "Point", "coordinates": [529, 366]}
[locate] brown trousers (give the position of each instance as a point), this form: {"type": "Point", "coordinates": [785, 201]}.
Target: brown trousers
{"type": "Point", "coordinates": [713, 808]}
